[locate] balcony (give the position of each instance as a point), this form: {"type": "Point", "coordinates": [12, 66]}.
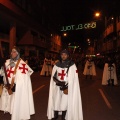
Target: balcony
{"type": "Point", "coordinates": [109, 30]}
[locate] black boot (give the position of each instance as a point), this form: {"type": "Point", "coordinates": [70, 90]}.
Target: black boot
{"type": "Point", "coordinates": [86, 77]}
{"type": "Point", "coordinates": [112, 82]}
{"type": "Point", "coordinates": [45, 73]}
{"type": "Point", "coordinates": [55, 115]}
{"type": "Point", "coordinates": [91, 77]}
{"type": "Point", "coordinates": [63, 115]}
{"type": "Point", "coordinates": [108, 82]}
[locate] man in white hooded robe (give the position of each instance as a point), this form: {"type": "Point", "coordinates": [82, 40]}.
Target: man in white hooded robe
{"type": "Point", "coordinates": [47, 66]}
{"type": "Point", "coordinates": [67, 103]}
{"type": "Point", "coordinates": [109, 73]}
{"type": "Point", "coordinates": [89, 69]}
{"type": "Point", "coordinates": [20, 103]}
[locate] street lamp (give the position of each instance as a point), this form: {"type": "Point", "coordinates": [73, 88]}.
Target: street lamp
{"type": "Point", "coordinates": [65, 34]}
{"type": "Point", "coordinates": [88, 39]}
{"type": "Point", "coordinates": [97, 14]}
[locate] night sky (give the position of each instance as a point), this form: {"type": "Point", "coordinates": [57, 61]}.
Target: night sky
{"type": "Point", "coordinates": [69, 12]}
{"type": "Point", "coordinates": [76, 11]}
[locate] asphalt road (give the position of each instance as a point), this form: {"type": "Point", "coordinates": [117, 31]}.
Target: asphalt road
{"type": "Point", "coordinates": [98, 102]}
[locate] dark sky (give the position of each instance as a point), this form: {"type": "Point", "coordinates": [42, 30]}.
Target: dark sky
{"type": "Point", "coordinates": [75, 11]}
{"type": "Point", "coordinates": [69, 12]}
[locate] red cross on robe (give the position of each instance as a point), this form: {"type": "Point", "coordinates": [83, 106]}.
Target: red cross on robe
{"type": "Point", "coordinates": [23, 68]}
{"type": "Point", "coordinates": [62, 74]}
{"type": "Point", "coordinates": [9, 72]}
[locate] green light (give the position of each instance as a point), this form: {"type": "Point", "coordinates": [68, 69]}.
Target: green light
{"type": "Point", "coordinates": [90, 25]}
{"type": "Point", "coordinates": [73, 46]}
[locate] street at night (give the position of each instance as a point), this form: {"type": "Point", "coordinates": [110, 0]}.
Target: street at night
{"type": "Point", "coordinates": [44, 38]}
{"type": "Point", "coordinates": [99, 102]}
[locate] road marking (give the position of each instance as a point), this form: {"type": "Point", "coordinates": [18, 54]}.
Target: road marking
{"type": "Point", "coordinates": [38, 89]}
{"type": "Point", "coordinates": [105, 99]}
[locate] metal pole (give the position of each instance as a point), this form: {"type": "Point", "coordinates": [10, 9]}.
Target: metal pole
{"type": "Point", "coordinates": [106, 32]}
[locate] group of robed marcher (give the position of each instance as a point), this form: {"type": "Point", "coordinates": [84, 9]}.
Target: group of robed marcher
{"type": "Point", "coordinates": [64, 91]}
{"type": "Point", "coordinates": [109, 72]}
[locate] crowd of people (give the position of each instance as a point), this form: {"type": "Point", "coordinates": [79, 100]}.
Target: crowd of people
{"type": "Point", "coordinates": [39, 64]}
{"type": "Point", "coordinates": [64, 92]}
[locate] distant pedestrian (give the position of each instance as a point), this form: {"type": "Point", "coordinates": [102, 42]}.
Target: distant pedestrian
{"type": "Point", "coordinates": [89, 69]}
{"type": "Point", "coordinates": [47, 66]}
{"type": "Point", "coordinates": [109, 73]}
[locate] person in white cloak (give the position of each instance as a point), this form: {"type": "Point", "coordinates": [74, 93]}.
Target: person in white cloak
{"type": "Point", "coordinates": [89, 69]}
{"type": "Point", "coordinates": [47, 66]}
{"type": "Point", "coordinates": [64, 92]}
{"type": "Point", "coordinates": [109, 73]}
{"type": "Point", "coordinates": [20, 103]}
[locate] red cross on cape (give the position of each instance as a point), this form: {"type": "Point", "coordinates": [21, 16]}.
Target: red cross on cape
{"type": "Point", "coordinates": [62, 74]}
{"type": "Point", "coordinates": [23, 68]}
{"type": "Point", "coordinates": [9, 72]}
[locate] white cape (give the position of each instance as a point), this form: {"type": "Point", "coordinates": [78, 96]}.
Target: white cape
{"type": "Point", "coordinates": [74, 109]}
{"type": "Point", "coordinates": [90, 71]}
{"type": "Point", "coordinates": [46, 68]}
{"type": "Point", "coordinates": [20, 103]}
{"type": "Point", "coordinates": [106, 75]}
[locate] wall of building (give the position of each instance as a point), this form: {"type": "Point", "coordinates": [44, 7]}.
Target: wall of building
{"type": "Point", "coordinates": [109, 43]}
{"type": "Point", "coordinates": [20, 27]}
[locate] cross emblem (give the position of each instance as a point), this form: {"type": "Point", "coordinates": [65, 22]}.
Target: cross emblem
{"type": "Point", "coordinates": [62, 74]}
{"type": "Point", "coordinates": [9, 71]}
{"type": "Point", "coordinates": [23, 68]}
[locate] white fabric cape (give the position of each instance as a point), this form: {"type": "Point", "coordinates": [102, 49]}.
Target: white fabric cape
{"type": "Point", "coordinates": [46, 68]}
{"type": "Point", "coordinates": [20, 103]}
{"type": "Point", "coordinates": [86, 70]}
{"type": "Point", "coordinates": [105, 75]}
{"type": "Point", "coordinates": [74, 110]}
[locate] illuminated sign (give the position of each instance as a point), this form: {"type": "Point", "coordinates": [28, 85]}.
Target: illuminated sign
{"type": "Point", "coordinates": [79, 26]}
{"type": "Point", "coordinates": [73, 46]}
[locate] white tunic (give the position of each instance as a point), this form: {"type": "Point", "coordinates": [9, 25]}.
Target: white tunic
{"type": "Point", "coordinates": [89, 68]}
{"type": "Point", "coordinates": [74, 104]}
{"type": "Point", "coordinates": [47, 67]}
{"type": "Point", "coordinates": [20, 103]}
{"type": "Point", "coordinates": [109, 74]}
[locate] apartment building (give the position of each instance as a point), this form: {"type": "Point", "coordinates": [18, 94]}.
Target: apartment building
{"type": "Point", "coordinates": [26, 23]}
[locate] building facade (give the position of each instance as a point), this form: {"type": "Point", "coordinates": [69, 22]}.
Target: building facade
{"type": "Point", "coordinates": [25, 23]}
{"type": "Point", "coordinates": [109, 42]}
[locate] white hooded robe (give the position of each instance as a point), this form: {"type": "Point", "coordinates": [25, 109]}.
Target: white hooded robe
{"type": "Point", "coordinates": [20, 104]}
{"type": "Point", "coordinates": [47, 67]}
{"type": "Point", "coordinates": [106, 74]}
{"type": "Point", "coordinates": [74, 103]}
{"type": "Point", "coordinates": [91, 70]}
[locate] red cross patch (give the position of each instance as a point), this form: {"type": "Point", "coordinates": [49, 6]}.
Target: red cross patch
{"type": "Point", "coordinates": [62, 74]}
{"type": "Point", "coordinates": [9, 72]}
{"type": "Point", "coordinates": [23, 68]}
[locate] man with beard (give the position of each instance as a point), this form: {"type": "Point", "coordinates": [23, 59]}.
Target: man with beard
{"type": "Point", "coordinates": [64, 92]}
{"type": "Point", "coordinates": [17, 97]}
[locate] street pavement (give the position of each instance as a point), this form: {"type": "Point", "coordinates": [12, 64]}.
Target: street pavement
{"type": "Point", "coordinates": [98, 102]}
